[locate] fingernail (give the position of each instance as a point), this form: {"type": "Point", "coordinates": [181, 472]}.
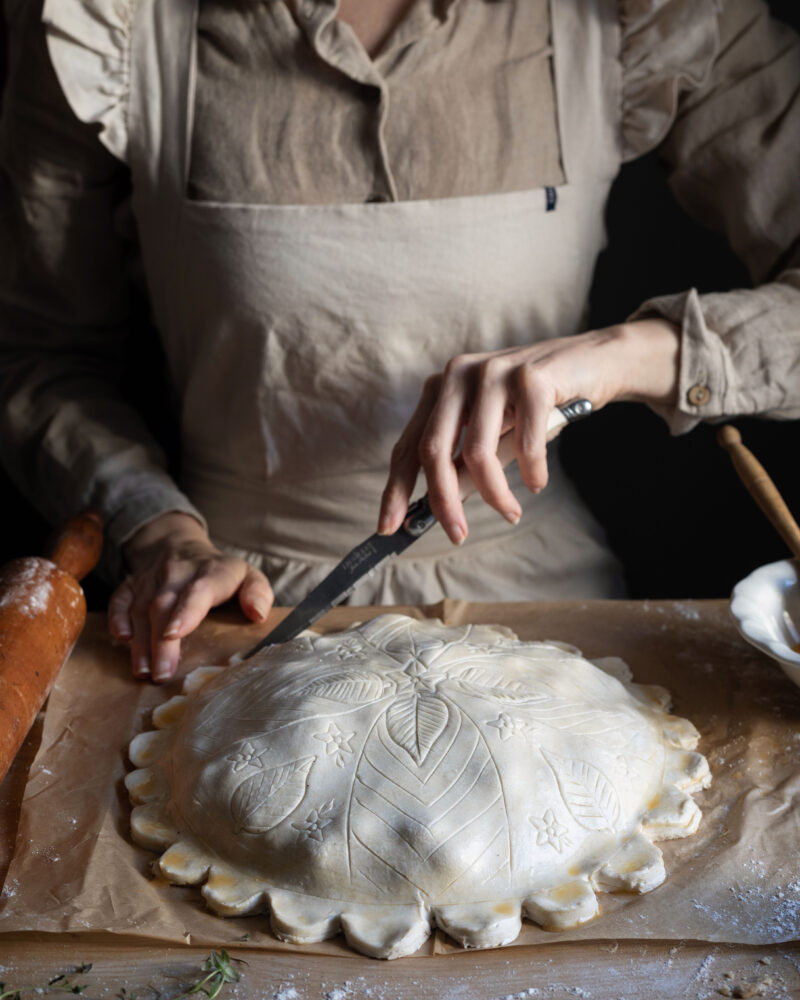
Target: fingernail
{"type": "Point", "coordinates": [456, 534]}
{"type": "Point", "coordinates": [260, 609]}
{"type": "Point", "coordinates": [143, 666]}
{"type": "Point", "coordinates": [384, 524]}
{"type": "Point", "coordinates": [163, 670]}
{"type": "Point", "coordinates": [172, 629]}
{"type": "Point", "coordinates": [513, 516]}
{"type": "Point", "coordinates": [122, 632]}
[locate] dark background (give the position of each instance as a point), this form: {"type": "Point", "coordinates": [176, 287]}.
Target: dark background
{"type": "Point", "coordinates": [674, 509]}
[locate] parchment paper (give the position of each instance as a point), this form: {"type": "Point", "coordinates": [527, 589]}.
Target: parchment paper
{"type": "Point", "coordinates": [736, 881]}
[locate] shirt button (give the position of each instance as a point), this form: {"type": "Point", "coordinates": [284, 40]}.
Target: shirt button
{"type": "Point", "coordinates": [699, 395]}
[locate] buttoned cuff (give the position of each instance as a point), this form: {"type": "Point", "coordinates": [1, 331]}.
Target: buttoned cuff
{"type": "Point", "coordinates": [705, 377]}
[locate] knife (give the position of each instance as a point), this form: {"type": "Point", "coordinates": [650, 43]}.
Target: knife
{"type": "Point", "coordinates": [377, 549]}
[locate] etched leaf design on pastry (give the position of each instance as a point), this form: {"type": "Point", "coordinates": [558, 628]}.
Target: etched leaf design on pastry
{"type": "Point", "coordinates": [423, 648]}
{"type": "Point", "coordinates": [428, 826]}
{"type": "Point", "coordinates": [415, 722]}
{"type": "Point", "coordinates": [590, 797]}
{"type": "Point", "coordinates": [351, 687]}
{"type": "Point", "coordinates": [405, 641]}
{"type": "Point", "coordinates": [480, 681]}
{"type": "Point", "coordinates": [564, 714]}
{"type": "Point", "coordinates": [519, 696]}
{"type": "Point", "coordinates": [491, 677]}
{"type": "Point", "coordinates": [556, 712]}
{"type": "Point", "coordinates": [268, 797]}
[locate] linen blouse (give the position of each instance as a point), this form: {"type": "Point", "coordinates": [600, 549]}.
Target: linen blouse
{"type": "Point", "coordinates": [290, 110]}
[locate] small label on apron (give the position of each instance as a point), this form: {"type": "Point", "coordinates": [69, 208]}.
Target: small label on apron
{"type": "Point", "coordinates": [551, 197]}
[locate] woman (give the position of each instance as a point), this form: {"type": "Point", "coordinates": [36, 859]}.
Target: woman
{"type": "Point", "coordinates": [333, 202]}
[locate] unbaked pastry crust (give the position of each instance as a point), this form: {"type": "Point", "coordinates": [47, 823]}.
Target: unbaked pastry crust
{"type": "Point", "coordinates": [404, 774]}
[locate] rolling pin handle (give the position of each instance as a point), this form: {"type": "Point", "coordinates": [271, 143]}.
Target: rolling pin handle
{"type": "Point", "coordinates": [78, 544]}
{"type": "Point", "coordinates": [728, 436]}
{"type": "Point", "coordinates": [765, 493]}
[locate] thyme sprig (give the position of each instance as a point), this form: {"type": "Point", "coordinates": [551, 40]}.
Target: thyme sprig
{"type": "Point", "coordinates": [219, 969]}
{"type": "Point", "coordinates": [219, 966]}
{"type": "Point", "coordinates": [58, 984]}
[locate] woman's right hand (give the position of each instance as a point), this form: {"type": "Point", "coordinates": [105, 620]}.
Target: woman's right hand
{"type": "Point", "coordinates": [176, 576]}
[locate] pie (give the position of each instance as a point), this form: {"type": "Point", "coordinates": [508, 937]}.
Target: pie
{"type": "Point", "coordinates": [403, 774]}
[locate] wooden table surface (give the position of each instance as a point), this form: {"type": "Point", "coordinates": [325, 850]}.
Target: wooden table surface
{"type": "Point", "coordinates": [600, 970]}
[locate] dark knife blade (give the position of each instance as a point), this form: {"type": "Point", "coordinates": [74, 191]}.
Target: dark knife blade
{"type": "Point", "coordinates": [367, 557]}
{"type": "Point", "coordinates": [358, 564]}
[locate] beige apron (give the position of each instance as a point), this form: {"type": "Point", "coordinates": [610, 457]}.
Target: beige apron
{"type": "Point", "coordinates": [299, 336]}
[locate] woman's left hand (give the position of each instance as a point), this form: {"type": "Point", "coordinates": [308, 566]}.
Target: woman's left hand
{"type": "Point", "coordinates": [486, 395]}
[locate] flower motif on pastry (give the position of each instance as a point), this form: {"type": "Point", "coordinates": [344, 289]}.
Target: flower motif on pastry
{"type": "Point", "coordinates": [507, 726]}
{"type": "Point", "coordinates": [312, 827]}
{"type": "Point", "coordinates": [248, 756]}
{"type": "Point", "coordinates": [338, 743]}
{"type": "Point", "coordinates": [550, 831]}
{"type": "Point", "coordinates": [350, 649]}
{"type": "Point", "coordinates": [428, 819]}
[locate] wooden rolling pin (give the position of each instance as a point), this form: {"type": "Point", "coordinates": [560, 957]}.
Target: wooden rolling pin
{"type": "Point", "coordinates": [761, 487]}
{"type": "Point", "coordinates": [42, 612]}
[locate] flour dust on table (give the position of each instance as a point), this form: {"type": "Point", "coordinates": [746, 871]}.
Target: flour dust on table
{"type": "Point", "coordinates": [402, 775]}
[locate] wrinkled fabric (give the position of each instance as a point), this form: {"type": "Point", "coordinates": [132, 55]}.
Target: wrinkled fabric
{"type": "Point", "coordinates": [459, 102]}
{"type": "Point", "coordinates": [733, 154]}
{"type": "Point", "coordinates": [667, 50]}
{"type": "Point", "coordinates": [713, 85]}
{"type": "Point", "coordinates": [298, 337]}
{"type": "Point", "coordinates": [67, 436]}
{"type": "Point", "coordinates": [92, 43]}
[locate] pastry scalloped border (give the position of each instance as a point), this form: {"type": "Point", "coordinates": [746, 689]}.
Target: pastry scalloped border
{"type": "Point", "coordinates": [391, 930]}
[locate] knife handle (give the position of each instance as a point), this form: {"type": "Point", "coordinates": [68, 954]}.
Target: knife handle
{"type": "Point", "coordinates": [420, 517]}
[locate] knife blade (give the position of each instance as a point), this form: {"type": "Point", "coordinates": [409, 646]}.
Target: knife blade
{"type": "Point", "coordinates": [371, 554]}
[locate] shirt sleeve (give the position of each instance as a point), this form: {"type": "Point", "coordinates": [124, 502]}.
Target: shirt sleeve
{"type": "Point", "coordinates": [67, 437]}
{"type": "Point", "coordinates": [720, 99]}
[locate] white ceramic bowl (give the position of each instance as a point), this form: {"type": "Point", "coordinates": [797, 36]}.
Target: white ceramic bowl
{"type": "Point", "coordinates": [766, 607]}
